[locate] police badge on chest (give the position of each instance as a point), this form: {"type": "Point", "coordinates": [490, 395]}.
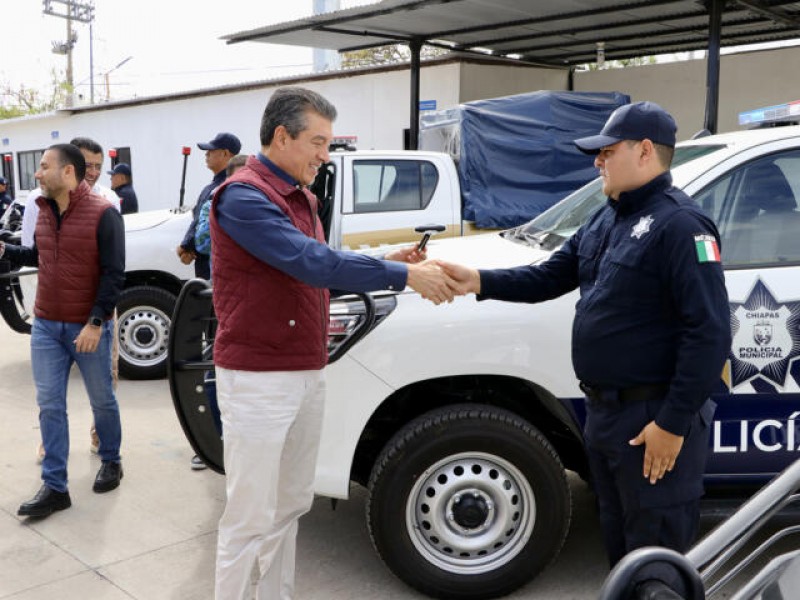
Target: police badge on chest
{"type": "Point", "coordinates": [642, 227]}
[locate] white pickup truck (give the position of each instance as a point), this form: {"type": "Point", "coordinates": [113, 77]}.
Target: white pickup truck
{"type": "Point", "coordinates": [368, 199]}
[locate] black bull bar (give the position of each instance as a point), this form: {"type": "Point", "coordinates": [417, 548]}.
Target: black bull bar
{"type": "Point", "coordinates": [190, 367]}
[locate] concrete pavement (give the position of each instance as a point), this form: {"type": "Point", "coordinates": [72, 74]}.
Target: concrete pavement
{"type": "Point", "coordinates": [154, 537]}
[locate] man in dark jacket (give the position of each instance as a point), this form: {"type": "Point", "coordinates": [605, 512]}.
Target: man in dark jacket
{"type": "Point", "coordinates": [650, 336]}
{"type": "Point", "coordinates": [5, 199]}
{"type": "Point", "coordinates": [122, 184]}
{"type": "Point", "coordinates": [79, 248]}
{"type": "Point", "coordinates": [219, 151]}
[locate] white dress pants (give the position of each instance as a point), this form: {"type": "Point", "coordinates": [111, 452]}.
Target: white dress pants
{"type": "Point", "coordinates": [271, 423]}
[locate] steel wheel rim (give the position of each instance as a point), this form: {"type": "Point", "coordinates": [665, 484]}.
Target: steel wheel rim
{"type": "Point", "coordinates": [502, 520]}
{"type": "Point", "coordinates": [143, 321]}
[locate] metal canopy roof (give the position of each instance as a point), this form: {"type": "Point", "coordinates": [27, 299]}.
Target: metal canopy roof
{"type": "Point", "coordinates": [558, 33]}
{"type": "Point", "coordinates": [548, 32]}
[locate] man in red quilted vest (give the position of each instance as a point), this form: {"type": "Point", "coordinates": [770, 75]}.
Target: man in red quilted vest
{"type": "Point", "coordinates": [272, 270]}
{"type": "Point", "coordinates": [79, 248]}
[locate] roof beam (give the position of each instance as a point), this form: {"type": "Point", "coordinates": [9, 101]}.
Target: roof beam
{"type": "Point", "coordinates": [621, 53]}
{"type": "Point", "coordinates": [770, 12]}
{"type": "Point", "coordinates": [389, 37]}
{"type": "Point", "coordinates": [499, 55]}
{"type": "Point", "coordinates": [573, 30]}
{"type": "Point", "coordinates": [551, 18]}
{"type": "Point", "coordinates": [701, 29]}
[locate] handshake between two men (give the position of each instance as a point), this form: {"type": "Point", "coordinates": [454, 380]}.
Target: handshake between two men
{"type": "Point", "coordinates": [436, 280]}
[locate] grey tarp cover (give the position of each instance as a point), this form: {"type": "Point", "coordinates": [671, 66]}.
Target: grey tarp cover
{"type": "Point", "coordinates": [515, 154]}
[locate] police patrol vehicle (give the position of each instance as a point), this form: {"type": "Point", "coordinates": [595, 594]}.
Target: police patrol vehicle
{"type": "Point", "coordinates": [463, 419]}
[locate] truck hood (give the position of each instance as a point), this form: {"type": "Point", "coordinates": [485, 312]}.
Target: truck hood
{"type": "Point", "coordinates": [150, 239]}
{"type": "Point", "coordinates": [486, 251]}
{"type": "Point", "coordinates": [153, 218]}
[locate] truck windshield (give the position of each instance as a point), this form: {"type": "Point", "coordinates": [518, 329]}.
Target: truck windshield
{"type": "Point", "coordinates": [560, 221]}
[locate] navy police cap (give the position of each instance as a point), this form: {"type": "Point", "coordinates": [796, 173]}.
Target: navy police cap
{"type": "Point", "coordinates": [637, 121]}
{"type": "Point", "coordinates": [121, 169]}
{"type": "Point", "coordinates": [226, 141]}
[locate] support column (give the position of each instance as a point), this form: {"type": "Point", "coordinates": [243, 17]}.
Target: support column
{"type": "Point", "coordinates": [416, 47]}
{"type": "Point", "coordinates": [712, 63]}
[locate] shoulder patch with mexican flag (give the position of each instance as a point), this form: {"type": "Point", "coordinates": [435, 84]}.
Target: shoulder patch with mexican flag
{"type": "Point", "coordinates": [707, 249]}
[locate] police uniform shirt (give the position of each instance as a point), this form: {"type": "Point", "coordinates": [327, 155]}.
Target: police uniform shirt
{"type": "Point", "coordinates": [653, 306]}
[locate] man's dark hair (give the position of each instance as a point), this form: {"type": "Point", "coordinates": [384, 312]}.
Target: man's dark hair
{"type": "Point", "coordinates": [665, 154]}
{"type": "Point", "coordinates": [288, 107]}
{"type": "Point", "coordinates": [69, 154]}
{"type": "Point", "coordinates": [234, 163]}
{"type": "Point", "coordinates": [85, 143]}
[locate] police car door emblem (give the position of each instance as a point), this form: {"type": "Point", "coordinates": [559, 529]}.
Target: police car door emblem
{"type": "Point", "coordinates": [642, 227]}
{"type": "Point", "coordinates": [766, 337]}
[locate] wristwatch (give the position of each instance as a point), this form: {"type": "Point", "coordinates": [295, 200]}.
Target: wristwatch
{"type": "Point", "coordinates": [96, 321]}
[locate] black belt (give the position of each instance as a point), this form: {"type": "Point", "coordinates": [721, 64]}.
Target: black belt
{"type": "Point", "coordinates": [637, 393]}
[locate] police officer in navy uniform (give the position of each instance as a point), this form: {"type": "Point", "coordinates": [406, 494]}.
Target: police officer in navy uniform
{"type": "Point", "coordinates": [219, 151]}
{"type": "Point", "coordinates": [5, 199]}
{"type": "Point", "coordinates": [122, 184]}
{"type": "Point", "coordinates": [650, 336]}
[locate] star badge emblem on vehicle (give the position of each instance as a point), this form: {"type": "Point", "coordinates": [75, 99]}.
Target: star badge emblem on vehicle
{"type": "Point", "coordinates": [765, 337]}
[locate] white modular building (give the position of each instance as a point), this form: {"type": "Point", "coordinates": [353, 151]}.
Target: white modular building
{"type": "Point", "coordinates": [150, 133]}
{"type": "Point", "coordinates": [373, 105]}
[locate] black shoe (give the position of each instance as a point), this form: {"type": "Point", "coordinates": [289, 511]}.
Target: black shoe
{"type": "Point", "coordinates": [45, 502]}
{"type": "Point", "coordinates": [108, 477]}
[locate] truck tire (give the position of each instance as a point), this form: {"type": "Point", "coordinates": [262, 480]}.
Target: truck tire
{"type": "Point", "coordinates": [468, 502]}
{"type": "Point", "coordinates": [144, 317]}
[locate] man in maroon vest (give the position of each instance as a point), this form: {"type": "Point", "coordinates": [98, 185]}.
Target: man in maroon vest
{"type": "Point", "coordinates": [79, 247]}
{"type": "Point", "coordinates": [272, 270]}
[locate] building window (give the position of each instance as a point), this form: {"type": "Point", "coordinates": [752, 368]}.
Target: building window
{"type": "Point", "coordinates": [123, 155]}
{"type": "Point", "coordinates": [28, 165]}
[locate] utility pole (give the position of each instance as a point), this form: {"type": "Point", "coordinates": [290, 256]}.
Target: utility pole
{"type": "Point", "coordinates": [83, 12]}
{"type": "Point", "coordinates": [71, 40]}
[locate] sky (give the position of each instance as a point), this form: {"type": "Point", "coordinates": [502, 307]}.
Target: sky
{"type": "Point", "coordinates": [166, 45]}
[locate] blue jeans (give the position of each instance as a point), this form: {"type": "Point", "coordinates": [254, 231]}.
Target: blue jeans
{"type": "Point", "coordinates": [52, 354]}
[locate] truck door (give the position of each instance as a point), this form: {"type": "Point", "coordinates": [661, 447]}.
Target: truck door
{"type": "Point", "coordinates": [386, 197]}
{"type": "Point", "coordinates": [755, 205]}
{"type": "Point", "coordinates": [323, 188]}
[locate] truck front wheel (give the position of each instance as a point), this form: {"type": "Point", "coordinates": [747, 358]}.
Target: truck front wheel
{"type": "Point", "coordinates": [468, 502]}
{"type": "Point", "coordinates": [144, 317]}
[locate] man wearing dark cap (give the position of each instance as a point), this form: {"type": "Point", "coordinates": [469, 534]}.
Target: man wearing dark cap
{"type": "Point", "coordinates": [122, 184]}
{"type": "Point", "coordinates": [218, 152]}
{"type": "Point", "coordinates": [650, 335]}
{"type": "Point", "coordinates": [5, 199]}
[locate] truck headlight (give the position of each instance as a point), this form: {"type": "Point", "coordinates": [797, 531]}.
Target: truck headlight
{"type": "Point", "coordinates": [348, 315]}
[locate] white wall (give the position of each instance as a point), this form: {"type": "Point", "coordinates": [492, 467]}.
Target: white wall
{"type": "Point", "coordinates": [481, 81]}
{"type": "Point", "coordinates": [372, 106]}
